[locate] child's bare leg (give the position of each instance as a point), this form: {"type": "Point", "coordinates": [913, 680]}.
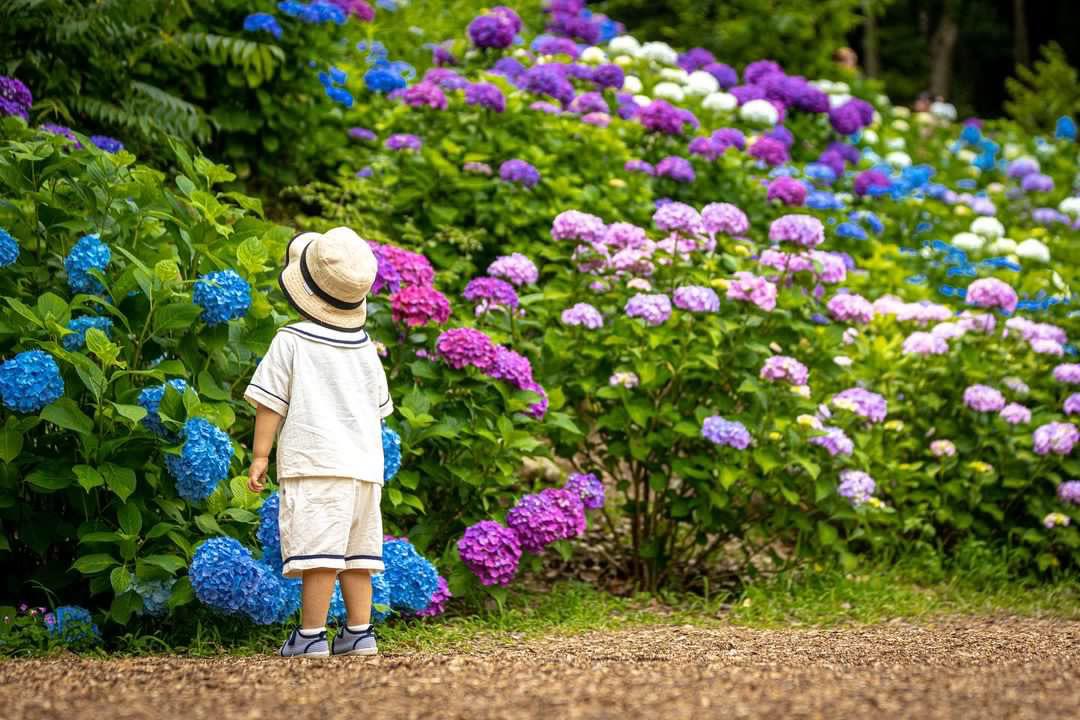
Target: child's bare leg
{"type": "Point", "coordinates": [356, 589]}
{"type": "Point", "coordinates": [317, 589]}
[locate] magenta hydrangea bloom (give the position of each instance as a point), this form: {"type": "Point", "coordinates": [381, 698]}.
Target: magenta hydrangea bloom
{"type": "Point", "coordinates": [788, 191]}
{"type": "Point", "coordinates": [461, 347]}
{"type": "Point", "coordinates": [781, 367]}
{"type": "Point", "coordinates": [834, 440]}
{"type": "Point", "coordinates": [863, 403]}
{"type": "Point", "coordinates": [538, 409]}
{"type": "Point", "coordinates": [724, 218]}
{"type": "Point", "coordinates": [576, 225]}
{"type": "Point", "coordinates": [583, 315]}
{"type": "Point", "coordinates": [589, 488]}
{"type": "Point", "coordinates": [991, 293]}
{"type": "Point", "coordinates": [1056, 437]}
{"type": "Point", "coordinates": [439, 600]}
{"type": "Point", "coordinates": [804, 230]}
{"type": "Point", "coordinates": [696, 298]}
{"type": "Point", "coordinates": [425, 94]}
{"type": "Point", "coordinates": [924, 343]}
{"type": "Point", "coordinates": [849, 307]}
{"type": "Point", "coordinates": [418, 305]}
{"type": "Point", "coordinates": [653, 309]}
{"type": "Point", "coordinates": [492, 552]}
{"type": "Point", "coordinates": [770, 151]}
{"type": "Point", "coordinates": [546, 517]}
{"type": "Point", "coordinates": [511, 367]}
{"type": "Point", "coordinates": [677, 216]}
{"type": "Point", "coordinates": [677, 168]}
{"type": "Point", "coordinates": [1068, 373]}
{"type": "Point", "coordinates": [721, 431]}
{"type": "Point", "coordinates": [748, 287]}
{"type": "Point", "coordinates": [491, 293]}
{"type": "Point", "coordinates": [516, 269]}
{"type": "Point", "coordinates": [407, 267]}
{"type": "Point", "coordinates": [982, 398]}
{"type": "Point", "coordinates": [1016, 414]}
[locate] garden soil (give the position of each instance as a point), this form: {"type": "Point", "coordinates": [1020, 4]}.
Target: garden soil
{"type": "Point", "coordinates": [985, 667]}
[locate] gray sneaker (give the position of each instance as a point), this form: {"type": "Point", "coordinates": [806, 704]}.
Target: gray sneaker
{"type": "Point", "coordinates": [347, 642]}
{"type": "Point", "coordinates": [301, 645]}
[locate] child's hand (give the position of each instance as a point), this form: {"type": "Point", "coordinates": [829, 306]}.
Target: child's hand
{"type": "Point", "coordinates": [257, 474]}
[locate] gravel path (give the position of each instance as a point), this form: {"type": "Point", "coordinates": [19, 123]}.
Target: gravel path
{"type": "Point", "coordinates": [951, 668]}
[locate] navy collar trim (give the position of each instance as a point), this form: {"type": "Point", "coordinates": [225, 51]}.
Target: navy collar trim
{"type": "Point", "coordinates": [327, 335]}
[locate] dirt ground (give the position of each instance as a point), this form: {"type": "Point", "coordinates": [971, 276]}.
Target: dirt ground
{"type": "Point", "coordinates": [950, 668]}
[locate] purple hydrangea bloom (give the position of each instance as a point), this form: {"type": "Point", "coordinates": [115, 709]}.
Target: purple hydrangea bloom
{"type": "Point", "coordinates": [439, 599]}
{"type": "Point", "coordinates": [589, 488]}
{"type": "Point", "coordinates": [609, 76]}
{"type": "Point", "coordinates": [1072, 404]}
{"type": "Point", "coordinates": [548, 80]}
{"type": "Point", "coordinates": [461, 347]}
{"type": "Point", "coordinates": [856, 486]}
{"type": "Point", "coordinates": [982, 398]}
{"type": "Point", "coordinates": [485, 95]}
{"type": "Point", "coordinates": [551, 515]}
{"type": "Point", "coordinates": [589, 102]}
{"type": "Point", "coordinates": [62, 131]}
{"type": "Point", "coordinates": [781, 367]}
{"type": "Point", "coordinates": [1069, 492]}
{"type": "Point", "coordinates": [677, 168]}
{"type": "Point", "coordinates": [1015, 414]}
{"type": "Point", "coordinates": [1068, 373]}
{"type": "Point", "coordinates": [758, 69]}
{"type": "Point", "coordinates": [425, 94]}
{"type": "Point", "coordinates": [660, 116]}
{"type": "Point", "coordinates": [770, 151]}
{"type": "Point", "coordinates": [653, 309]}
{"type": "Point", "coordinates": [728, 137]}
{"type": "Point", "coordinates": [362, 133]}
{"type": "Point", "coordinates": [677, 217]}
{"type": "Point", "coordinates": [494, 30]}
{"type": "Point", "coordinates": [519, 172]}
{"type": "Point", "coordinates": [490, 293]}
{"type": "Point", "coordinates": [787, 190]}
{"type": "Point", "coordinates": [695, 59]}
{"type": "Point", "coordinates": [871, 182]}
{"type": "Point", "coordinates": [583, 315]}
{"type": "Point", "coordinates": [15, 97]}
{"type": "Point", "coordinates": [512, 367]}
{"type": "Point", "coordinates": [724, 218]}
{"type": "Point", "coordinates": [696, 298]}
{"type": "Point", "coordinates": [639, 166]}
{"type": "Point", "coordinates": [557, 46]}
{"type": "Point", "coordinates": [492, 552]}
{"type": "Point", "coordinates": [991, 293]}
{"type": "Point", "coordinates": [862, 402]}
{"type": "Point", "coordinates": [509, 68]}
{"type": "Point", "coordinates": [404, 141]}
{"type": "Point", "coordinates": [106, 143]}
{"type": "Point", "coordinates": [724, 74]}
{"type": "Point", "coordinates": [1056, 437]}
{"type": "Point", "coordinates": [1037, 182]}
{"type": "Point", "coordinates": [515, 268]}
{"type": "Point", "coordinates": [924, 343]}
{"type": "Point", "coordinates": [804, 230]}
{"type": "Point", "coordinates": [721, 431]}
{"type": "Point", "coordinates": [748, 92]}
{"type": "Point", "coordinates": [846, 119]}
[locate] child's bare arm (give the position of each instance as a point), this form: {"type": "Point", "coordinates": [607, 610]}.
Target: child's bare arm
{"type": "Point", "coordinates": [266, 426]}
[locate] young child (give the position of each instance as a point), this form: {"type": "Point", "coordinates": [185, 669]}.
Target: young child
{"type": "Point", "coordinates": [323, 385]}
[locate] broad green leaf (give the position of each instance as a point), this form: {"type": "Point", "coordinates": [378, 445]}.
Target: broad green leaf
{"type": "Point", "coordinates": [65, 413]}
{"type": "Point", "coordinates": [169, 563]}
{"type": "Point", "coordinates": [176, 316]}
{"type": "Point", "coordinates": [182, 593]}
{"type": "Point", "coordinates": [121, 480]}
{"type": "Point", "coordinates": [24, 310]}
{"type": "Point", "coordinates": [90, 564]}
{"type": "Point", "coordinates": [208, 524]}
{"type": "Point", "coordinates": [100, 537]}
{"type": "Point", "coordinates": [120, 579]}
{"type": "Point", "coordinates": [209, 387]}
{"type": "Point", "coordinates": [827, 534]}
{"type": "Point", "coordinates": [99, 344]}
{"type": "Point", "coordinates": [130, 518]}
{"type": "Point", "coordinates": [88, 477]}
{"type": "Point", "coordinates": [134, 413]}
{"type": "Point", "coordinates": [11, 444]}
{"type": "Point", "coordinates": [50, 478]}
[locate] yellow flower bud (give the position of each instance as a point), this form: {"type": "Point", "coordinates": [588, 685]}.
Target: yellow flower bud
{"type": "Point", "coordinates": [617, 183]}
{"type": "Point", "coordinates": [896, 425]}
{"type": "Point", "coordinates": [741, 250]}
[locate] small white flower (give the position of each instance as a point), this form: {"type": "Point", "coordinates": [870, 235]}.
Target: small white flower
{"type": "Point", "coordinates": [1045, 149]}
{"type": "Point", "coordinates": [472, 54]}
{"type": "Point", "coordinates": [720, 102]}
{"type": "Point", "coordinates": [1070, 206]}
{"type": "Point", "coordinates": [850, 336]}
{"type": "Point", "coordinates": [898, 159]}
{"type": "Point", "coordinates": [759, 112]}
{"type": "Point", "coordinates": [968, 241]}
{"type": "Point", "coordinates": [841, 88]}
{"type": "Point", "coordinates": [836, 100]}
{"type": "Point", "coordinates": [842, 360]}
{"type": "Point", "coordinates": [1002, 246]}
{"type": "Point", "coordinates": [593, 55]}
{"type": "Point", "coordinates": [659, 52]}
{"type": "Point", "coordinates": [995, 188]}
{"type": "Point", "coordinates": [989, 227]}
{"type": "Point", "coordinates": [643, 100]}
{"type": "Point", "coordinates": [624, 61]}
{"type": "Point", "coordinates": [1032, 249]}
{"type": "Point", "coordinates": [521, 53]}
{"type": "Point", "coordinates": [632, 84]}
{"type": "Point", "coordinates": [639, 284]}
{"type": "Point", "coordinates": [669, 91]}
{"type": "Point", "coordinates": [869, 137]}
{"type": "Point", "coordinates": [966, 156]}
{"type": "Point", "coordinates": [943, 111]}
{"type": "Point", "coordinates": [845, 197]}
{"type": "Point", "coordinates": [701, 83]}
{"type": "Point", "coordinates": [675, 75]}
{"type": "Point", "coordinates": [1013, 151]}
{"type": "Point", "coordinates": [824, 85]}
{"type": "Point", "coordinates": [625, 44]}
{"type": "Point", "coordinates": [896, 143]}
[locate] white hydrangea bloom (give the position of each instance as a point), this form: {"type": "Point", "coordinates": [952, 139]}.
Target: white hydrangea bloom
{"type": "Point", "coordinates": [836, 100]}
{"type": "Point", "coordinates": [632, 84]}
{"type": "Point", "coordinates": [869, 137]}
{"type": "Point", "coordinates": [624, 61]}
{"type": "Point", "coordinates": [823, 84]}
{"type": "Point", "coordinates": [701, 83]}
{"type": "Point", "coordinates": [988, 227]}
{"type": "Point", "coordinates": [902, 112]}
{"type": "Point", "coordinates": [896, 143]}
{"type": "Point", "coordinates": [898, 158]}
{"type": "Point", "coordinates": [659, 52]}
{"type": "Point", "coordinates": [1012, 151]}
{"type": "Point", "coordinates": [675, 74]}
{"type": "Point", "coordinates": [841, 88]}
{"type": "Point", "coordinates": [1070, 206]}
{"type": "Point", "coordinates": [966, 156]}
{"type": "Point", "coordinates": [759, 112]}
{"type": "Point", "coordinates": [1045, 149]}
{"type": "Point", "coordinates": [968, 241]}
{"type": "Point", "coordinates": [669, 91]}
{"type": "Point", "coordinates": [1002, 246]}
{"type": "Point", "coordinates": [901, 125]}
{"type": "Point", "coordinates": [943, 111]}
{"type": "Point", "coordinates": [995, 188]}
{"type": "Point", "coordinates": [1032, 249]}
{"type": "Point", "coordinates": [642, 100]}
{"type": "Point", "coordinates": [720, 102]}
{"type": "Point", "coordinates": [593, 55]}
{"type": "Point", "coordinates": [625, 44]}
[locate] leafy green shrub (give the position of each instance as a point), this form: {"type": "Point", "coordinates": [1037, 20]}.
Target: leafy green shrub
{"type": "Point", "coordinates": [1039, 95]}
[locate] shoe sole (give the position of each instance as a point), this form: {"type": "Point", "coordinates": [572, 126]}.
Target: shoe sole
{"type": "Point", "coordinates": [324, 654]}
{"type": "Point", "coordinates": [361, 651]}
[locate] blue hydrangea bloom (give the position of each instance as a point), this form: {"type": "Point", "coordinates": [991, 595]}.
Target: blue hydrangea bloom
{"type": "Point", "coordinates": [851, 230]}
{"type": "Point", "coordinates": [412, 579]}
{"type": "Point", "coordinates": [79, 326]}
{"type": "Point", "coordinates": [30, 381]}
{"type": "Point", "coordinates": [823, 200]}
{"type": "Point", "coordinates": [150, 399]}
{"type": "Point", "coordinates": [72, 624]}
{"type": "Point", "coordinates": [383, 79]}
{"type": "Point", "coordinates": [314, 13]}
{"type": "Point", "coordinates": [869, 219]}
{"type": "Point", "coordinates": [971, 134]}
{"type": "Point", "coordinates": [9, 248]}
{"type": "Point", "coordinates": [268, 534]}
{"type": "Point", "coordinates": [340, 95]}
{"type": "Point", "coordinates": [106, 143]}
{"type": "Point", "coordinates": [1065, 128]}
{"type": "Point", "coordinates": [155, 595]}
{"type": "Point", "coordinates": [203, 462]}
{"type": "Point", "coordinates": [227, 578]}
{"type": "Point", "coordinates": [819, 172]}
{"type": "Point", "coordinates": [88, 254]}
{"type": "Point", "coordinates": [391, 447]}
{"type": "Point", "coordinates": [262, 22]}
{"type": "Point", "coordinates": [223, 295]}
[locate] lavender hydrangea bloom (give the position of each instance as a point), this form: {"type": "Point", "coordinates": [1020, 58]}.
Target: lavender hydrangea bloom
{"type": "Point", "coordinates": [856, 486]}
{"type": "Point", "coordinates": [991, 293]}
{"type": "Point", "coordinates": [609, 75]}
{"type": "Point", "coordinates": [721, 431]}
{"type": "Point", "coordinates": [1068, 373]}
{"type": "Point", "coordinates": [748, 287]}
{"type": "Point", "coordinates": [871, 182]}
{"type": "Point", "coordinates": [519, 172]}
{"type": "Point", "coordinates": [1056, 437]}
{"type": "Point", "coordinates": [781, 367]}
{"type": "Point", "coordinates": [804, 230]}
{"type": "Point", "coordinates": [662, 117]}
{"type": "Point", "coordinates": [862, 402]}
{"type": "Point", "coordinates": [852, 308]}
{"type": "Point", "coordinates": [724, 218]}
{"type": "Point", "coordinates": [1069, 492]}
{"type": "Point", "coordinates": [724, 74]}
{"type": "Point", "coordinates": [404, 141]}
{"type": "Point", "coordinates": [696, 298]}
{"type": "Point", "coordinates": [515, 268]}
{"type": "Point", "coordinates": [583, 315]}
{"type": "Point", "coordinates": [1016, 414]}
{"type": "Point", "coordinates": [1037, 182]}
{"type": "Point", "coordinates": [639, 166]}
{"type": "Point", "coordinates": [548, 80]}
{"type": "Point", "coordinates": [982, 398]}
{"type": "Point", "coordinates": [512, 367]}
{"type": "Point", "coordinates": [725, 138]}
{"type": "Point", "coordinates": [924, 343]}
{"type": "Point", "coordinates": [770, 151]}
{"type": "Point", "coordinates": [490, 293]}
{"type": "Point", "coordinates": [576, 225]}
{"type": "Point", "coordinates": [425, 94]}
{"type": "Point", "coordinates": [590, 489]}
{"type": "Point", "coordinates": [677, 216]}
{"type": "Point", "coordinates": [1072, 404]}
{"type": "Point", "coordinates": [492, 31]}
{"type": "Point", "coordinates": [834, 440]}
{"type": "Point", "coordinates": [491, 551]}
{"type": "Point", "coordinates": [363, 134]}
{"type": "Point", "coordinates": [653, 309]}
{"type": "Point", "coordinates": [677, 168]}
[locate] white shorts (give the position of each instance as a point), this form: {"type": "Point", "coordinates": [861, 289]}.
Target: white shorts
{"type": "Point", "coordinates": [330, 522]}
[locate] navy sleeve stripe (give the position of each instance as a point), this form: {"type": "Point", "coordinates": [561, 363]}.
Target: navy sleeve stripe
{"type": "Point", "coordinates": [273, 395]}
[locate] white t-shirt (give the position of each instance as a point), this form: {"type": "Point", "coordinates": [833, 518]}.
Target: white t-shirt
{"type": "Point", "coordinates": [331, 389]}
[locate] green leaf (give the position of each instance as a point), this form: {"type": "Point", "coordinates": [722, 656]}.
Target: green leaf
{"type": "Point", "coordinates": [23, 309]}
{"type": "Point", "coordinates": [208, 524]}
{"type": "Point", "coordinates": [65, 413]}
{"type": "Point", "coordinates": [88, 477]}
{"type": "Point", "coordinates": [823, 488]}
{"type": "Point", "coordinates": [124, 605]}
{"type": "Point", "coordinates": [53, 307]}
{"type": "Point", "coordinates": [130, 518]}
{"type": "Point", "coordinates": [134, 413]}
{"type": "Point", "coordinates": [210, 387]}
{"type": "Point", "coordinates": [169, 563]}
{"type": "Point", "coordinates": [120, 579]}
{"type": "Point", "coordinates": [827, 534]}
{"type": "Point", "coordinates": [90, 564]}
{"type": "Point", "coordinates": [99, 344]}
{"type": "Point", "coordinates": [394, 494]}
{"type": "Point", "coordinates": [121, 480]}
{"type": "Point", "coordinates": [100, 537]}
{"type": "Point", "coordinates": [767, 458]}
{"type": "Point", "coordinates": [50, 477]}
{"type": "Point", "coordinates": [252, 255]}
{"type": "Point", "coordinates": [176, 316]}
{"type": "Point", "coordinates": [11, 444]}
{"type": "Point", "coordinates": [182, 593]}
